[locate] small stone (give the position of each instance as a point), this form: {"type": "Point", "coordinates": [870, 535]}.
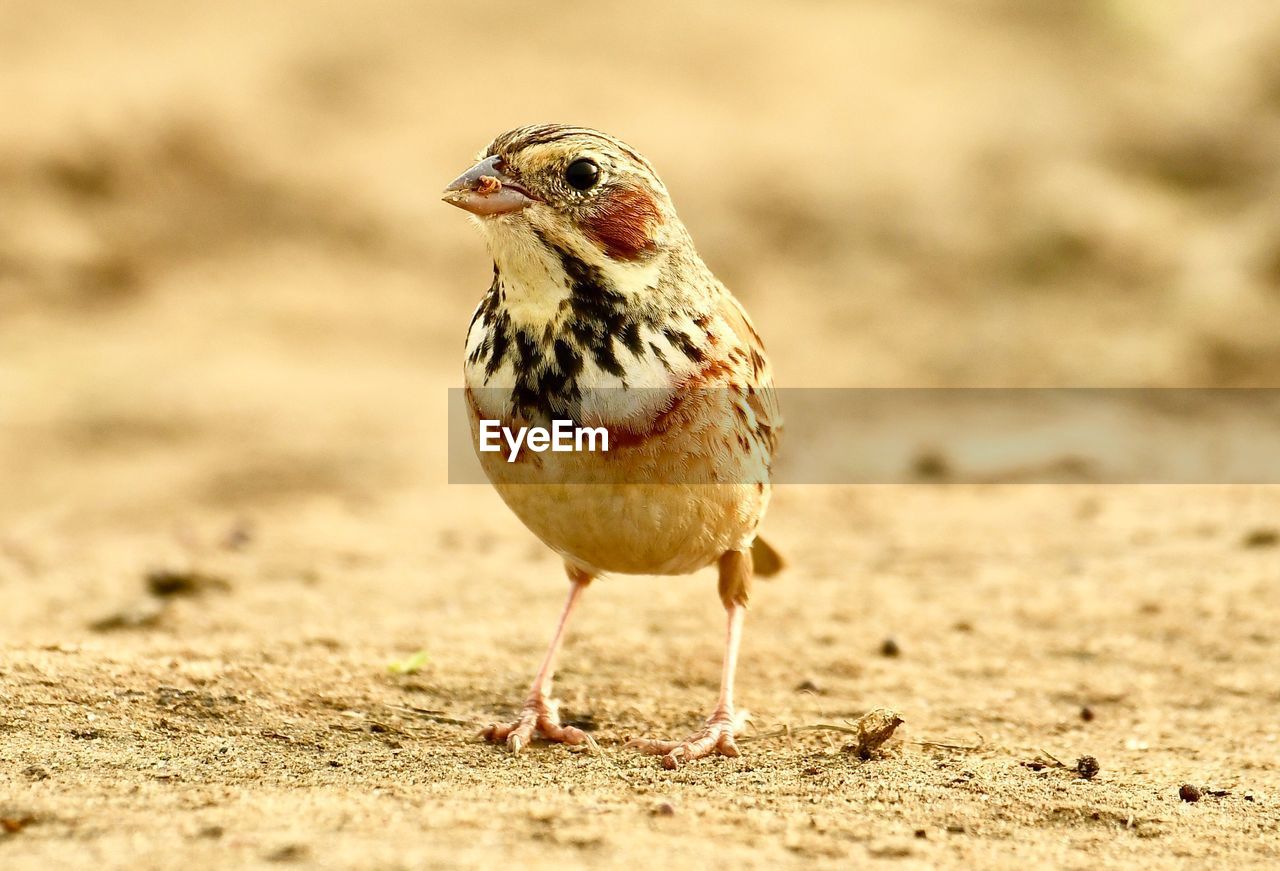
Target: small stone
{"type": "Point", "coordinates": [664, 809]}
{"type": "Point", "coordinates": [288, 853]}
{"type": "Point", "coordinates": [1086, 714]}
{"type": "Point", "coordinates": [931, 465]}
{"type": "Point", "coordinates": [13, 825]}
{"type": "Point", "coordinates": [890, 648]}
{"type": "Point", "coordinates": [1189, 793]}
{"type": "Point", "coordinates": [1264, 537]}
{"type": "Point", "coordinates": [1087, 767]}
{"type": "Point", "coordinates": [166, 583]}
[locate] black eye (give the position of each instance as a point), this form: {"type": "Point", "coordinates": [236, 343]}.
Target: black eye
{"type": "Point", "coordinates": [582, 174]}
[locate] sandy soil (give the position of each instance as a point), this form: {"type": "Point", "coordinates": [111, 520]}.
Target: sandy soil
{"type": "Point", "coordinates": [231, 307]}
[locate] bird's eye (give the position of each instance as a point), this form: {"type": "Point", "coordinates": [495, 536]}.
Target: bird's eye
{"type": "Point", "coordinates": [582, 174]}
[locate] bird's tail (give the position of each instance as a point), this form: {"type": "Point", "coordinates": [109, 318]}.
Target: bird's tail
{"type": "Point", "coordinates": [765, 561]}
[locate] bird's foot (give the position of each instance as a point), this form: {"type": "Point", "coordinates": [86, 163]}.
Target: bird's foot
{"type": "Point", "coordinates": [539, 718]}
{"type": "Point", "coordinates": [715, 737]}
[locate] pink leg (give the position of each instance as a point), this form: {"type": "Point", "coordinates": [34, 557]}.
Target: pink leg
{"type": "Point", "coordinates": [733, 638]}
{"type": "Point", "coordinates": [716, 736]}
{"type": "Point", "coordinates": [539, 714]}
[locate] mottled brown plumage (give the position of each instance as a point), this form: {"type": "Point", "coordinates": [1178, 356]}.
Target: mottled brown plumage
{"type": "Point", "coordinates": [602, 312]}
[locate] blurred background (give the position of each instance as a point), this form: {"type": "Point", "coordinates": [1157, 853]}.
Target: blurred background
{"type": "Point", "coordinates": [227, 281]}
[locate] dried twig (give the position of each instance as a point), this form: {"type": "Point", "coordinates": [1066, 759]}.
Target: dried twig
{"type": "Point", "coordinates": [871, 731]}
{"type": "Point", "coordinates": [424, 714]}
{"type": "Point", "coordinates": [1086, 767]}
{"type": "Point", "coordinates": [1056, 761]}
{"type": "Point", "coordinates": [792, 730]}
{"type": "Point", "coordinates": [941, 745]}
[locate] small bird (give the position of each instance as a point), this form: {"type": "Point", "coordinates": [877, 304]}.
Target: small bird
{"type": "Point", "coordinates": [602, 313]}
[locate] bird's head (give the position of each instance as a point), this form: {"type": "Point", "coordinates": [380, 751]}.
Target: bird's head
{"type": "Point", "coordinates": [570, 187]}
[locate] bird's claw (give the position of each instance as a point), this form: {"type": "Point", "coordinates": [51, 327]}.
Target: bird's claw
{"type": "Point", "coordinates": [538, 718]}
{"type": "Point", "coordinates": [715, 737]}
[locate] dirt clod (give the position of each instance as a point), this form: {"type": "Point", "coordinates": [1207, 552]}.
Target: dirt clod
{"type": "Point", "coordinates": [931, 465]}
{"type": "Point", "coordinates": [1260, 538]}
{"type": "Point", "coordinates": [165, 583]}
{"type": "Point", "coordinates": [13, 825]}
{"type": "Point", "coordinates": [1087, 767]}
{"type": "Point", "coordinates": [289, 853]}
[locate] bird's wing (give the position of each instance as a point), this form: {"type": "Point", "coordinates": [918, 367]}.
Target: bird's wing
{"type": "Point", "coordinates": [755, 371]}
{"type": "Point", "coordinates": [763, 402]}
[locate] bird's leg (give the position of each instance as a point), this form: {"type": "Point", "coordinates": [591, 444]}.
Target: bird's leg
{"type": "Point", "coordinates": [716, 735]}
{"type": "Point", "coordinates": [539, 713]}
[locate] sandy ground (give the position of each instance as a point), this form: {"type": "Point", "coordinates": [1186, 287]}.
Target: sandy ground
{"type": "Point", "coordinates": [231, 307]}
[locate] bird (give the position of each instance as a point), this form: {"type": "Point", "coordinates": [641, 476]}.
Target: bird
{"type": "Point", "coordinates": [601, 312]}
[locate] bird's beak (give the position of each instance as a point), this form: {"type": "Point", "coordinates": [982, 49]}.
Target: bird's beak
{"type": "Point", "coordinates": [484, 190]}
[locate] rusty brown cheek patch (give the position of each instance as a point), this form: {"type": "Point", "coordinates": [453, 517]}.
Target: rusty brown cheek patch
{"type": "Point", "coordinates": [623, 223]}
